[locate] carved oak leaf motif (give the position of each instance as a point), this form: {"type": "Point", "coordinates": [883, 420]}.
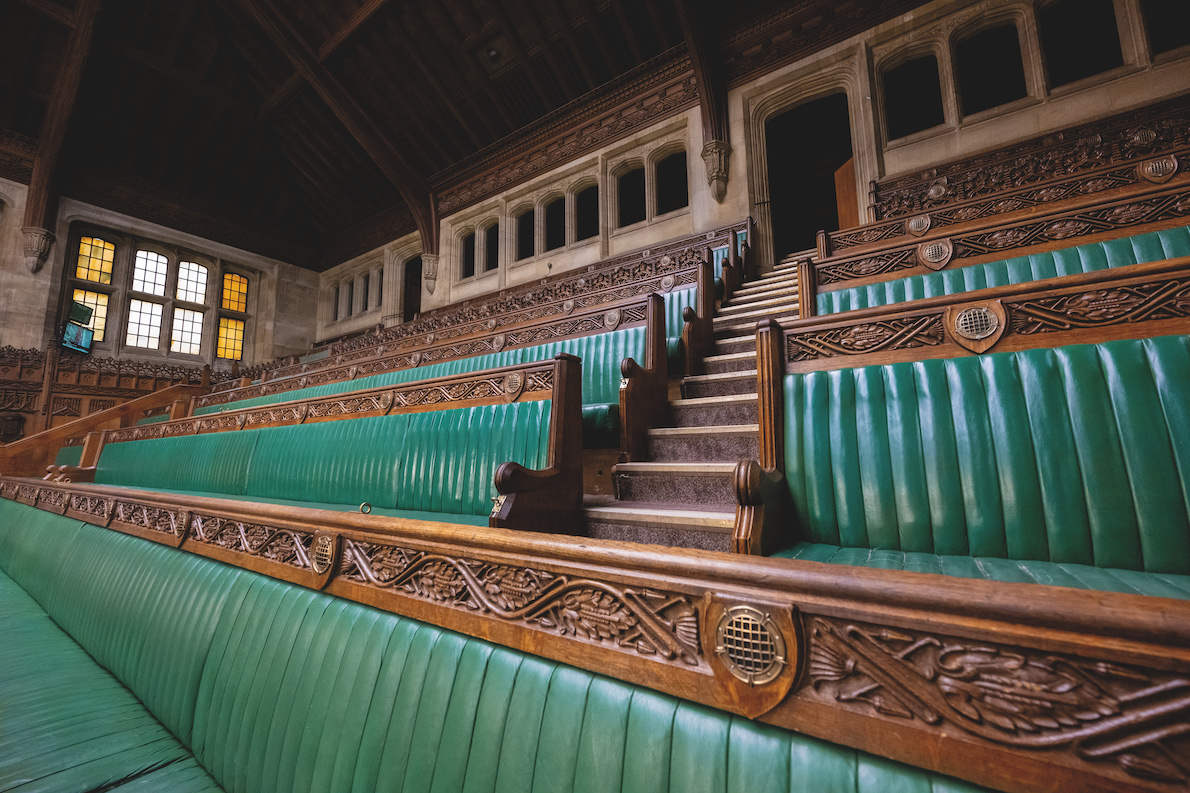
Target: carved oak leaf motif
{"type": "Point", "coordinates": [1063, 229]}
{"type": "Point", "coordinates": [647, 621]}
{"type": "Point", "coordinates": [866, 338]}
{"type": "Point", "coordinates": [1164, 300]}
{"type": "Point", "coordinates": [1099, 710]}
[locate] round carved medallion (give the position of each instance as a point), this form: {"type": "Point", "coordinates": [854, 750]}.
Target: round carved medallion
{"type": "Point", "coordinates": [667, 283]}
{"type": "Point", "coordinates": [498, 342]}
{"type": "Point", "coordinates": [611, 320]}
{"type": "Point", "coordinates": [936, 191]}
{"type": "Point", "coordinates": [490, 324]}
{"type": "Point", "coordinates": [935, 254]}
{"type": "Point", "coordinates": [415, 358]}
{"type": "Point", "coordinates": [429, 338]}
{"type": "Point", "coordinates": [1159, 170]}
{"type": "Point", "coordinates": [918, 225]}
{"type": "Point", "coordinates": [975, 323]}
{"type": "Point", "coordinates": [513, 383]}
{"type": "Point", "coordinates": [1143, 137]}
{"type": "Point", "coordinates": [567, 306]}
{"type": "Point", "coordinates": [322, 551]}
{"type": "Point", "coordinates": [749, 645]}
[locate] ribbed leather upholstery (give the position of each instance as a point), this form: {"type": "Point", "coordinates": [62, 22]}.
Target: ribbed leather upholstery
{"type": "Point", "coordinates": [153, 419]}
{"type": "Point", "coordinates": [66, 724]}
{"type": "Point", "coordinates": [1077, 576]}
{"type": "Point", "coordinates": [300, 691]}
{"type": "Point", "coordinates": [602, 354]}
{"type": "Point", "coordinates": [69, 455]}
{"type": "Point", "coordinates": [1076, 455]}
{"type": "Point", "coordinates": [440, 461]}
{"type": "Point", "coordinates": [216, 461]}
{"type": "Point", "coordinates": [1152, 247]}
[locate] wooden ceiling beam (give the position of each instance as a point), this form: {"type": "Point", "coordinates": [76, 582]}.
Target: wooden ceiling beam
{"type": "Point", "coordinates": [445, 56]}
{"type": "Point", "coordinates": [694, 20]}
{"type": "Point", "coordinates": [53, 134]}
{"type": "Point", "coordinates": [629, 33]}
{"type": "Point", "coordinates": [416, 119]}
{"type": "Point", "coordinates": [438, 91]}
{"type": "Point", "coordinates": [187, 80]}
{"type": "Point", "coordinates": [518, 50]}
{"type": "Point", "coordinates": [360, 18]}
{"type": "Point", "coordinates": [588, 10]}
{"type": "Point", "coordinates": [580, 57]}
{"type": "Point", "coordinates": [542, 40]}
{"type": "Point", "coordinates": [375, 142]}
{"type": "Point", "coordinates": [47, 8]}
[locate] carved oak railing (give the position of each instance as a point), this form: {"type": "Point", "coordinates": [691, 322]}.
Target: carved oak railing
{"type": "Point", "coordinates": [1014, 686]}
{"type": "Point", "coordinates": [659, 268]}
{"type": "Point", "coordinates": [1141, 208]}
{"type": "Point", "coordinates": [1023, 174]}
{"type": "Point", "coordinates": [627, 313]}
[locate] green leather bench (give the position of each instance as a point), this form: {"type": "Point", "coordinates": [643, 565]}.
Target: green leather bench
{"type": "Point", "coordinates": [433, 465]}
{"type": "Point", "coordinates": [1067, 465]}
{"type": "Point", "coordinates": [276, 688]}
{"type": "Point", "coordinates": [602, 354]}
{"type": "Point", "coordinates": [153, 419]}
{"type": "Point", "coordinates": [1152, 247]}
{"type": "Point", "coordinates": [69, 455]}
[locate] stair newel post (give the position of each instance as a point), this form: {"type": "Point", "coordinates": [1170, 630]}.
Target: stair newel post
{"type": "Point", "coordinates": [762, 509]}
{"type": "Point", "coordinates": [549, 499]}
{"type": "Point", "coordinates": [733, 270]}
{"type": "Point", "coordinates": [807, 289]}
{"type": "Point", "coordinates": [824, 245]}
{"type": "Point", "coordinates": [644, 390]}
{"type": "Point", "coordinates": [697, 333]}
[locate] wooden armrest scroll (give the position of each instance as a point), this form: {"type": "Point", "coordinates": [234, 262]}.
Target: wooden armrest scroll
{"type": "Point", "coordinates": [548, 500]}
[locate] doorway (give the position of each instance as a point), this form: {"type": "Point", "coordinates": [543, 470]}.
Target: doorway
{"type": "Point", "coordinates": [806, 147]}
{"type": "Point", "coordinates": [411, 293]}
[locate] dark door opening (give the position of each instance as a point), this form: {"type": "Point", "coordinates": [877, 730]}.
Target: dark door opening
{"type": "Point", "coordinates": [806, 146]}
{"type": "Point", "coordinates": [411, 300]}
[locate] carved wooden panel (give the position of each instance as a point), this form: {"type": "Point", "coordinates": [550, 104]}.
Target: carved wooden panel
{"type": "Point", "coordinates": [1014, 236]}
{"type": "Point", "coordinates": [1125, 138]}
{"type": "Point", "coordinates": [283, 546]}
{"type": "Point", "coordinates": [865, 338]}
{"type": "Point", "coordinates": [1094, 712]}
{"type": "Point", "coordinates": [1169, 299]}
{"type": "Point", "coordinates": [1047, 192]}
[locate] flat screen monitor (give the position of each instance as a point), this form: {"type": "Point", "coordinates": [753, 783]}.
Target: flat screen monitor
{"type": "Point", "coordinates": [80, 312]}
{"type": "Point", "coordinates": [76, 337]}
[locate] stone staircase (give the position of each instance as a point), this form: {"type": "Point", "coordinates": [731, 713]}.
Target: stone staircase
{"type": "Point", "coordinates": [684, 495]}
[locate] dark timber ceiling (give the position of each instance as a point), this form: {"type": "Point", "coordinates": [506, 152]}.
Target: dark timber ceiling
{"type": "Point", "coordinates": [195, 113]}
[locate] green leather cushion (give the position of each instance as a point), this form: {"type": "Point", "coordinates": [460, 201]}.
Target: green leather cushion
{"type": "Point", "coordinates": [302, 691]}
{"type": "Point", "coordinates": [153, 419]}
{"type": "Point", "coordinates": [69, 455]}
{"type": "Point", "coordinates": [1152, 247]}
{"type": "Point", "coordinates": [1075, 455]}
{"type": "Point", "coordinates": [1077, 576]}
{"type": "Point", "coordinates": [67, 724]}
{"type": "Point", "coordinates": [216, 461]}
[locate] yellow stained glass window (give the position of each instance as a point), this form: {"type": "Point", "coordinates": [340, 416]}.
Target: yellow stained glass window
{"type": "Point", "coordinates": [192, 282]}
{"type": "Point", "coordinates": [231, 338]}
{"type": "Point", "coordinates": [144, 324]}
{"type": "Point", "coordinates": [235, 292]}
{"type": "Point", "coordinates": [95, 262]}
{"type": "Point", "coordinates": [187, 332]}
{"type": "Point", "coordinates": [98, 303]}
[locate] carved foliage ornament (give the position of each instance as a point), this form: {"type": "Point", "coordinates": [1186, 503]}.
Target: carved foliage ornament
{"type": "Point", "coordinates": [646, 621]}
{"type": "Point", "coordinates": [892, 334]}
{"type": "Point", "coordinates": [716, 158]}
{"type": "Point", "coordinates": [1030, 700]}
{"type": "Point", "coordinates": [1138, 302]}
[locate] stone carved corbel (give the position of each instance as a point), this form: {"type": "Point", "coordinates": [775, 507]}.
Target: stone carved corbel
{"type": "Point", "coordinates": [37, 246]}
{"type": "Point", "coordinates": [715, 156]}
{"type": "Point", "coordinates": [429, 270]}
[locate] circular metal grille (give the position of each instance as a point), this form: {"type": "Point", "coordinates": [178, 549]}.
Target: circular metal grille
{"type": "Point", "coordinates": [322, 554]}
{"type": "Point", "coordinates": [937, 190]}
{"type": "Point", "coordinates": [934, 252]}
{"type": "Point", "coordinates": [975, 323]}
{"type": "Point", "coordinates": [749, 645]}
{"type": "Point", "coordinates": [919, 223]}
{"type": "Point", "coordinates": [1159, 168]}
{"type": "Point", "coordinates": [1143, 137]}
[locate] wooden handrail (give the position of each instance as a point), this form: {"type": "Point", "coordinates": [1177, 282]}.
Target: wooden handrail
{"type": "Point", "coordinates": [644, 390]}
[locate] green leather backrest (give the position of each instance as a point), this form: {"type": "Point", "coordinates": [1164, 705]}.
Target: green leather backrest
{"type": "Point", "coordinates": [437, 461]}
{"type": "Point", "coordinates": [215, 462]}
{"type": "Point", "coordinates": [277, 688]}
{"type": "Point", "coordinates": [69, 455]}
{"type": "Point", "coordinates": [1152, 247]}
{"type": "Point", "coordinates": [1078, 454]}
{"type": "Point", "coordinates": [601, 366]}
{"type": "Point", "coordinates": [153, 419]}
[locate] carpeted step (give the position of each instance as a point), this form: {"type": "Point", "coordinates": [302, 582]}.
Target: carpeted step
{"type": "Point", "coordinates": [662, 524]}
{"type": "Point", "coordinates": [729, 343]}
{"type": "Point", "coordinates": [704, 444]}
{"type": "Point", "coordinates": [722, 384]}
{"type": "Point", "coordinates": [681, 483]}
{"type": "Point", "coordinates": [717, 410]}
{"type": "Point", "coordinates": [750, 304]}
{"type": "Point", "coordinates": [730, 362]}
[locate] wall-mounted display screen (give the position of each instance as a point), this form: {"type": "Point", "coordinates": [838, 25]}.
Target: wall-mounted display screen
{"type": "Point", "coordinates": [76, 337]}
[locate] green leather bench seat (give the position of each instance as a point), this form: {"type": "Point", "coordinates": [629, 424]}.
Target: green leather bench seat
{"type": "Point", "coordinates": [602, 354]}
{"type": "Point", "coordinates": [1077, 456]}
{"type": "Point", "coordinates": [153, 419]}
{"type": "Point", "coordinates": [437, 464]}
{"type": "Point", "coordinates": [1076, 576]}
{"type": "Point", "coordinates": [69, 455]}
{"type": "Point", "coordinates": [277, 688]}
{"type": "Point", "coordinates": [66, 724]}
{"type": "Point", "coordinates": [1152, 247]}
